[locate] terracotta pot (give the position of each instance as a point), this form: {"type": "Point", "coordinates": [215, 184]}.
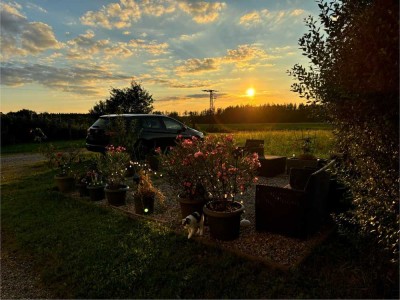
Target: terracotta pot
{"type": "Point", "coordinates": [144, 205]}
{"type": "Point", "coordinates": [96, 193]}
{"type": "Point", "coordinates": [224, 225]}
{"type": "Point", "coordinates": [65, 184]}
{"type": "Point", "coordinates": [116, 197]}
{"type": "Point", "coordinates": [189, 206]}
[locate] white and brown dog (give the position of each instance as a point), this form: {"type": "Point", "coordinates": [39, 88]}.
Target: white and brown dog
{"type": "Point", "coordinates": [194, 223]}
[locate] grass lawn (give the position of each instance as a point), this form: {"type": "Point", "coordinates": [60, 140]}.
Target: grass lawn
{"type": "Point", "coordinates": [34, 147]}
{"type": "Point", "coordinates": [82, 250]}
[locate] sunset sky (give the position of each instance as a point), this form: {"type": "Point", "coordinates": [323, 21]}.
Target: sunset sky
{"type": "Point", "coordinates": [64, 56]}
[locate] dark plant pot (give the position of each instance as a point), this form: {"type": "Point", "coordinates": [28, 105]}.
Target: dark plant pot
{"type": "Point", "coordinates": [189, 206]}
{"type": "Point", "coordinates": [65, 184]}
{"type": "Point", "coordinates": [96, 193]}
{"type": "Point", "coordinates": [116, 197]}
{"type": "Point", "coordinates": [82, 189]}
{"type": "Point", "coordinates": [224, 225]}
{"type": "Point", "coordinates": [144, 205]}
{"type": "Point", "coordinates": [300, 163]}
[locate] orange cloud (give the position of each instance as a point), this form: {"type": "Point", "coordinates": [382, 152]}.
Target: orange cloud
{"type": "Point", "coordinates": [243, 57]}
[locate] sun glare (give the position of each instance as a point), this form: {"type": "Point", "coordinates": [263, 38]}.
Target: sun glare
{"type": "Point", "coordinates": [250, 92]}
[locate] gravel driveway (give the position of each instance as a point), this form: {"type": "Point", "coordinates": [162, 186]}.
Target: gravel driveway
{"type": "Point", "coordinates": [18, 278]}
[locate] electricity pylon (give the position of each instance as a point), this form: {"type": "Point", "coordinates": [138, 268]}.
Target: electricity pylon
{"type": "Point", "coordinates": [212, 97]}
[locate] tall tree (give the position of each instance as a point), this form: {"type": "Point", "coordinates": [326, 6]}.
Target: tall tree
{"type": "Point", "coordinates": [134, 99]}
{"type": "Point", "coordinates": [353, 73]}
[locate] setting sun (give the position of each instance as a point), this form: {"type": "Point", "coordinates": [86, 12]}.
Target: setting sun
{"type": "Point", "coordinates": [250, 92]}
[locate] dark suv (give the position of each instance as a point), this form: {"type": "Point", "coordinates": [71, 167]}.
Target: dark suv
{"type": "Point", "coordinates": [153, 131]}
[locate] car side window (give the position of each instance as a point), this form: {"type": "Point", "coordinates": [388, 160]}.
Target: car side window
{"type": "Point", "coordinates": [171, 124]}
{"type": "Point", "coordinates": [153, 123]}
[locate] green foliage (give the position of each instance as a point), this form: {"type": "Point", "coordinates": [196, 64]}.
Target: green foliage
{"type": "Point", "coordinates": [125, 132]}
{"type": "Point", "coordinates": [354, 74]}
{"type": "Point", "coordinates": [134, 99]}
{"type": "Point", "coordinates": [19, 127]}
{"type": "Point", "coordinates": [113, 165]}
{"type": "Point", "coordinates": [65, 161]}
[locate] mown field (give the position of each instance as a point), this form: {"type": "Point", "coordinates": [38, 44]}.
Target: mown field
{"type": "Point", "coordinates": [283, 139]}
{"type": "Point", "coordinates": [262, 127]}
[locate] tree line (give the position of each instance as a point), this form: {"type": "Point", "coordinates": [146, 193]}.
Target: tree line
{"type": "Point", "coordinates": [20, 127]}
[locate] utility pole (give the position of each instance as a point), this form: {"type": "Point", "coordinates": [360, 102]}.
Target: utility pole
{"type": "Point", "coordinates": [212, 97]}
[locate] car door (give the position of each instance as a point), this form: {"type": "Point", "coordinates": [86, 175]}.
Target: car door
{"type": "Point", "coordinates": [153, 131]}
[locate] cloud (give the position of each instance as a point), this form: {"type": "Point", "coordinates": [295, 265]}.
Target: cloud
{"type": "Point", "coordinates": [85, 47]}
{"type": "Point", "coordinates": [195, 65]}
{"type": "Point", "coordinates": [242, 57]}
{"type": "Point", "coordinates": [36, 7]}
{"type": "Point", "coordinates": [124, 13]}
{"type": "Point", "coordinates": [151, 47]}
{"type": "Point", "coordinates": [269, 18]}
{"type": "Point", "coordinates": [75, 79]}
{"type": "Point", "coordinates": [158, 8]}
{"type": "Point", "coordinates": [174, 83]}
{"type": "Point", "coordinates": [114, 15]}
{"type": "Point", "coordinates": [19, 37]}
{"type": "Point", "coordinates": [201, 11]}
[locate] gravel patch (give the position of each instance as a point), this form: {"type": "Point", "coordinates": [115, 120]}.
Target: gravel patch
{"type": "Point", "coordinates": [18, 278]}
{"type": "Point", "coordinates": [271, 249]}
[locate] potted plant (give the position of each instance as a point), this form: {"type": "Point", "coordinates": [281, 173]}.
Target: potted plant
{"type": "Point", "coordinates": [96, 186]}
{"type": "Point", "coordinates": [82, 176]}
{"type": "Point", "coordinates": [146, 194]}
{"type": "Point", "coordinates": [218, 166]}
{"type": "Point", "coordinates": [306, 159]}
{"type": "Point", "coordinates": [227, 171]}
{"type": "Point", "coordinates": [63, 162]}
{"type": "Point", "coordinates": [113, 165]}
{"type": "Point", "coordinates": [182, 171]}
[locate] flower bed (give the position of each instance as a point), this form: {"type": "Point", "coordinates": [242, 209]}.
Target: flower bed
{"type": "Point", "coordinates": [268, 248]}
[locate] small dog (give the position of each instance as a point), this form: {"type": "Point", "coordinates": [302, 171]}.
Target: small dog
{"type": "Point", "coordinates": [194, 223]}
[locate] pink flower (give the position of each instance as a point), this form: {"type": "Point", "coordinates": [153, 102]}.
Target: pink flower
{"type": "Point", "coordinates": [158, 150]}
{"type": "Point", "coordinates": [187, 143]}
{"type": "Point", "coordinates": [232, 170]}
{"type": "Point", "coordinates": [229, 138]}
{"type": "Point", "coordinates": [198, 154]}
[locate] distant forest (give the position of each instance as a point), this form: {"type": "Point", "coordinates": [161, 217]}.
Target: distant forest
{"type": "Point", "coordinates": [18, 127]}
{"type": "Point", "coordinates": [267, 113]}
